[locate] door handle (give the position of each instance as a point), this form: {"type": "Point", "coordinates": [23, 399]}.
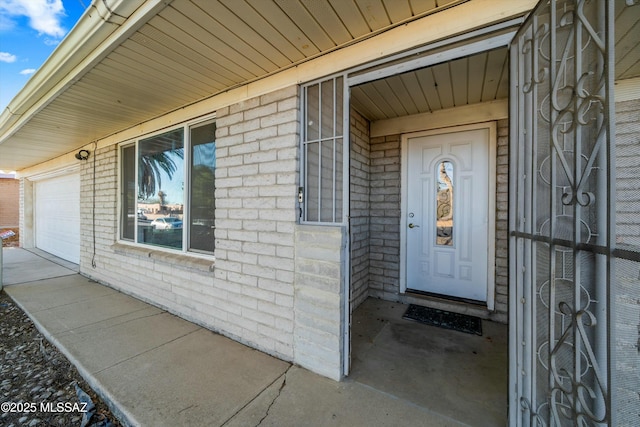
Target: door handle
{"type": "Point", "coordinates": [412, 225]}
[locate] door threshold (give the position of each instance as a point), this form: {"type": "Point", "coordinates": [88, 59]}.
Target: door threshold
{"type": "Point", "coordinates": [431, 295]}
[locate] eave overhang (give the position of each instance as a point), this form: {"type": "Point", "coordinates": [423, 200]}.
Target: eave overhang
{"type": "Point", "coordinates": [128, 62]}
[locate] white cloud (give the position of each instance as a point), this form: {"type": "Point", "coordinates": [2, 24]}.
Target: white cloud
{"type": "Point", "coordinates": [6, 24]}
{"type": "Point", "coordinates": [51, 42]}
{"type": "Point", "coordinates": [44, 15]}
{"type": "Point", "coordinates": [28, 71]}
{"type": "Point", "coordinates": [7, 57]}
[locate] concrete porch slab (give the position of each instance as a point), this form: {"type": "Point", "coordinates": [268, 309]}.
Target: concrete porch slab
{"type": "Point", "coordinates": [306, 398]}
{"type": "Point", "coordinates": [200, 379]}
{"type": "Point", "coordinates": [122, 338]}
{"type": "Point", "coordinates": [42, 295]}
{"type": "Point", "coordinates": [41, 266]}
{"type": "Point", "coordinates": [155, 369]}
{"type": "Point", "coordinates": [104, 305]}
{"type": "Point", "coordinates": [458, 375]}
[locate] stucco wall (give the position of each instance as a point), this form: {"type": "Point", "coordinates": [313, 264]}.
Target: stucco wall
{"type": "Point", "coordinates": [9, 202]}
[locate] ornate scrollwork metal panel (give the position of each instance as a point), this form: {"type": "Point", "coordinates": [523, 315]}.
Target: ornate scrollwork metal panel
{"type": "Point", "coordinates": [562, 160]}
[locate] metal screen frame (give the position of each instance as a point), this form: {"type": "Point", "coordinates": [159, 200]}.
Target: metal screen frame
{"type": "Point", "coordinates": [340, 149]}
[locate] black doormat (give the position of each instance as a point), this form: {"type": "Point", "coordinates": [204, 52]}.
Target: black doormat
{"type": "Point", "coordinates": [444, 319]}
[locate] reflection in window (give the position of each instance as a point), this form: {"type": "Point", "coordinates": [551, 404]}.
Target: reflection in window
{"type": "Point", "coordinates": [128, 211]}
{"type": "Point", "coordinates": [203, 168]}
{"type": "Point", "coordinates": [444, 205]}
{"type": "Point", "coordinates": [161, 188]}
{"type": "Point", "coordinates": [168, 189]}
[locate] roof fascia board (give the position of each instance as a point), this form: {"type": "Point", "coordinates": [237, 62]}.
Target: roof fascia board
{"type": "Point", "coordinates": [100, 29]}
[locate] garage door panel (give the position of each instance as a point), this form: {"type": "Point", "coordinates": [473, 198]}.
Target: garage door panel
{"type": "Point", "coordinates": [57, 216]}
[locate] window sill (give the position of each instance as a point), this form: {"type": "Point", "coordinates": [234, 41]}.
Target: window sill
{"type": "Point", "coordinates": [178, 260]}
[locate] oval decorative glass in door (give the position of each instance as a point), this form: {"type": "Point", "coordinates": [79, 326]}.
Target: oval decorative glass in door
{"type": "Point", "coordinates": [444, 204]}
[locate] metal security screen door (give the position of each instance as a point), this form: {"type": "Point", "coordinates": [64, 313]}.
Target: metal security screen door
{"type": "Point", "coordinates": [562, 222]}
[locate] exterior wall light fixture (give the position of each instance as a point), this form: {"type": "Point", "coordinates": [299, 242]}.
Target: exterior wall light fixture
{"type": "Point", "coordinates": [82, 155]}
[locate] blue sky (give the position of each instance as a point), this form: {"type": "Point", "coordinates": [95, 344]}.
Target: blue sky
{"type": "Point", "coordinates": [30, 30]}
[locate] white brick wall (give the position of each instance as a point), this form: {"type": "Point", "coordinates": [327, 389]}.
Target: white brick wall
{"type": "Point", "coordinates": [502, 219]}
{"type": "Point", "coordinates": [626, 292]}
{"type": "Point", "coordinates": [360, 209]}
{"type": "Point", "coordinates": [26, 213]}
{"type": "Point", "coordinates": [249, 293]}
{"type": "Point", "coordinates": [626, 315]}
{"type": "Point", "coordinates": [384, 263]}
{"type": "Point", "coordinates": [319, 298]}
{"type": "Point", "coordinates": [628, 179]}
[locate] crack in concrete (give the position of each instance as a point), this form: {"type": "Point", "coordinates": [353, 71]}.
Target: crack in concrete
{"type": "Point", "coordinates": [284, 383]}
{"type": "Point", "coordinates": [186, 409]}
{"type": "Point", "coordinates": [284, 374]}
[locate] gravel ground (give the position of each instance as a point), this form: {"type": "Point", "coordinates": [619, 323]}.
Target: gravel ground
{"type": "Point", "coordinates": [37, 382]}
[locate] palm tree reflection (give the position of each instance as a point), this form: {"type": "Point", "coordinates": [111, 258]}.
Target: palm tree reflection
{"type": "Point", "coordinates": [444, 205]}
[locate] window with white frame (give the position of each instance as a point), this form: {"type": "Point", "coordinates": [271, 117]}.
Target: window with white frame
{"type": "Point", "coordinates": [168, 186]}
{"type": "Point", "coordinates": [323, 151]}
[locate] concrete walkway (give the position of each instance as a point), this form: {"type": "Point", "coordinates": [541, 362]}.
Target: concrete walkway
{"type": "Point", "coordinates": [155, 369]}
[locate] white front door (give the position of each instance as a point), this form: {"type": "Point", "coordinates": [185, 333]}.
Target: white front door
{"type": "Point", "coordinates": [446, 214]}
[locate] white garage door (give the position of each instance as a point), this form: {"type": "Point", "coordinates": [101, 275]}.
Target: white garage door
{"type": "Point", "coordinates": [57, 216]}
